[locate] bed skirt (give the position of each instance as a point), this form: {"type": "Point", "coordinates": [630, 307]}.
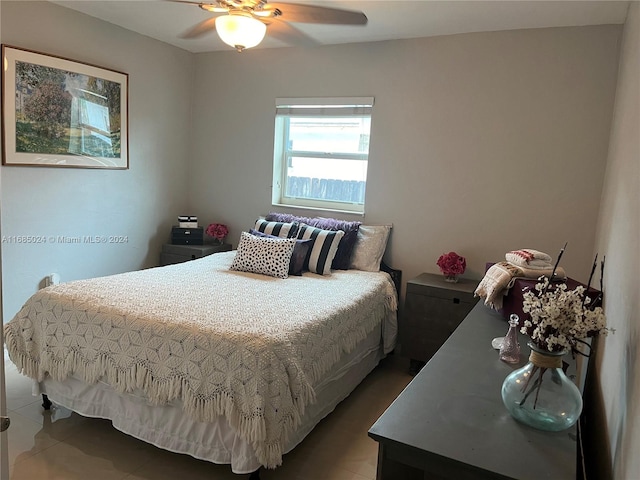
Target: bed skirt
{"type": "Point", "coordinates": [169, 428]}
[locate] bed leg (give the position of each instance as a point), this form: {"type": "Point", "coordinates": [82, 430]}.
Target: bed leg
{"type": "Point", "coordinates": [46, 403]}
{"type": "Point", "coordinates": [255, 475]}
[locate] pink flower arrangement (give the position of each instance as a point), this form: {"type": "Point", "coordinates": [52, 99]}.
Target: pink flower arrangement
{"type": "Point", "coordinates": [452, 264]}
{"type": "Point", "coordinates": [217, 231]}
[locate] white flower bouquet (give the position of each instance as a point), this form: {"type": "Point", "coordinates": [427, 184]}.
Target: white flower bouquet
{"type": "Point", "coordinates": [560, 318]}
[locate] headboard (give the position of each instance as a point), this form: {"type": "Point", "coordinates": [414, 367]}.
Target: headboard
{"type": "Point", "coordinates": [396, 276]}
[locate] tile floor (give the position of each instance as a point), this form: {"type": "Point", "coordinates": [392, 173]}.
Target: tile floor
{"type": "Point", "coordinates": [61, 445]}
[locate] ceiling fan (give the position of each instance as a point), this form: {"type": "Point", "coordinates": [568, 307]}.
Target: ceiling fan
{"type": "Point", "coordinates": [243, 23]}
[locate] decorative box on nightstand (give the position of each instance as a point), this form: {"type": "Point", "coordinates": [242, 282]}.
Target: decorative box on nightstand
{"type": "Point", "coordinates": [187, 236]}
{"type": "Point", "coordinates": [182, 253]}
{"type": "Point", "coordinates": [433, 309]}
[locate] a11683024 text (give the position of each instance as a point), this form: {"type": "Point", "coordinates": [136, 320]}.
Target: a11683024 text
{"type": "Point", "coordinates": [64, 239]}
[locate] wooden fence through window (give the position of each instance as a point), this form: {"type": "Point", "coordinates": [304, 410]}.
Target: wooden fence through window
{"type": "Point", "coordinates": [326, 189]}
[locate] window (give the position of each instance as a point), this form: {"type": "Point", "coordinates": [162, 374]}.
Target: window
{"type": "Point", "coordinates": [321, 152]}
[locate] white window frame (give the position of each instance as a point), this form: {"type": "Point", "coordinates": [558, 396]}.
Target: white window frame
{"type": "Point", "coordinates": [289, 107]}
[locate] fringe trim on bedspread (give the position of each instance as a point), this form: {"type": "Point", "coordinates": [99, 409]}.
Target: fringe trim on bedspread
{"type": "Point", "coordinates": [335, 353]}
{"type": "Point", "coordinates": [252, 428]}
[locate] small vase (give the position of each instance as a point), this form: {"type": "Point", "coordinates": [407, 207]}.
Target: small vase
{"type": "Point", "coordinates": [541, 395]}
{"type": "Point", "coordinates": [510, 348]}
{"type": "Point", "coordinates": [451, 278]}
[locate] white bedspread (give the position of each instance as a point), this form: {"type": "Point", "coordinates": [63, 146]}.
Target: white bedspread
{"type": "Point", "coordinates": [242, 345]}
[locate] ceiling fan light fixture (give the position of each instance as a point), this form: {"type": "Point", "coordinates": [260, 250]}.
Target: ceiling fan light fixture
{"type": "Point", "coordinates": [240, 31]}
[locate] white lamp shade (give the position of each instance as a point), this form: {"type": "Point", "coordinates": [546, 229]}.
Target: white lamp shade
{"type": "Point", "coordinates": [240, 31]}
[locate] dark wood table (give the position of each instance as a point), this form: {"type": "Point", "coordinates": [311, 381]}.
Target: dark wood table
{"type": "Point", "coordinates": [450, 422]}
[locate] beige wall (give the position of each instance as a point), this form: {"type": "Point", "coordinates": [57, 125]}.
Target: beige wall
{"type": "Point", "coordinates": [618, 233]}
{"type": "Point", "coordinates": [140, 203]}
{"type": "Point", "coordinates": [480, 143]}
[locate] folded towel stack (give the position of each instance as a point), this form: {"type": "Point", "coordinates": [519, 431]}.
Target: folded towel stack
{"type": "Point", "coordinates": [529, 258]}
{"type": "Point", "coordinates": [499, 278]}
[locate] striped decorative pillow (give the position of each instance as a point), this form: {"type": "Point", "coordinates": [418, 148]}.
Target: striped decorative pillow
{"type": "Point", "coordinates": [277, 229]}
{"type": "Point", "coordinates": [325, 246]}
{"type": "Point", "coordinates": [347, 244]}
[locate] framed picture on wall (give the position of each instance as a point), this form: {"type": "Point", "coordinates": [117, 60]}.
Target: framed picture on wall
{"type": "Point", "coordinates": [60, 113]}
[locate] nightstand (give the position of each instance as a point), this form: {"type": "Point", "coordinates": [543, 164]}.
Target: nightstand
{"type": "Point", "coordinates": [182, 253]}
{"type": "Point", "coordinates": [433, 309]}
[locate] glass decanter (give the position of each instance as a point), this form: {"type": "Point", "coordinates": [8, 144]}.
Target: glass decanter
{"type": "Point", "coordinates": [510, 348]}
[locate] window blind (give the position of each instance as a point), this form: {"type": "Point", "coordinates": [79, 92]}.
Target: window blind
{"type": "Point", "coordinates": [324, 107]}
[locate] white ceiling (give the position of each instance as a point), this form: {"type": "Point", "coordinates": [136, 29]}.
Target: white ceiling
{"type": "Point", "coordinates": [388, 19]}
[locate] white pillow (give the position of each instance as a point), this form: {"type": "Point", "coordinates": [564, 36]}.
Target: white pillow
{"type": "Point", "coordinates": [370, 246]}
{"type": "Point", "coordinates": [325, 246]}
{"type": "Point", "coordinates": [267, 256]}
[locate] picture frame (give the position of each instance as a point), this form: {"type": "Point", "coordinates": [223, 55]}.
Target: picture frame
{"type": "Point", "coordinates": [57, 112]}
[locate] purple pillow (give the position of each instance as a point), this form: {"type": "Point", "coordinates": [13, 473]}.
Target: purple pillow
{"type": "Point", "coordinates": [345, 248]}
{"type": "Point", "coordinates": [299, 255]}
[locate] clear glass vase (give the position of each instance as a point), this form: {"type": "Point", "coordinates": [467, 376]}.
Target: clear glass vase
{"type": "Point", "coordinates": [541, 395]}
{"type": "Point", "coordinates": [510, 348]}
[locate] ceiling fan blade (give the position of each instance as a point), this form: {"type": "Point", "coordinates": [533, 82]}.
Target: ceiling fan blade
{"type": "Point", "coordinates": [188, 2]}
{"type": "Point", "coordinates": [199, 29]}
{"type": "Point", "coordinates": [281, 30]}
{"type": "Point", "coordinates": [295, 12]}
{"type": "Point", "coordinates": [212, 6]}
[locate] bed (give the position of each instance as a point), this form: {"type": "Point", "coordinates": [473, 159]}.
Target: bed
{"type": "Point", "coordinates": [209, 358]}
